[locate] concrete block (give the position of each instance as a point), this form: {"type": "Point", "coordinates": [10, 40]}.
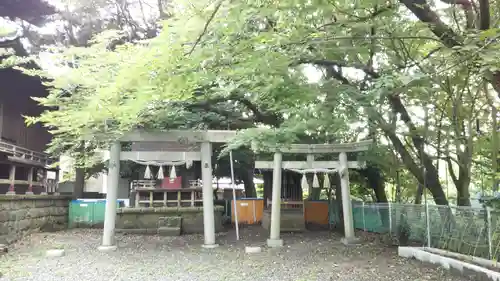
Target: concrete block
{"type": "Point", "coordinates": [54, 253]}
{"type": "Point", "coordinates": [3, 249]}
{"type": "Point", "coordinates": [137, 231]}
{"type": "Point", "coordinates": [169, 231]}
{"type": "Point", "coordinates": [350, 241]}
{"type": "Point", "coordinates": [253, 250]}
{"type": "Point", "coordinates": [275, 243]}
{"type": "Point", "coordinates": [210, 246]}
{"type": "Point", "coordinates": [106, 249]}
{"type": "Point", "coordinates": [449, 263]}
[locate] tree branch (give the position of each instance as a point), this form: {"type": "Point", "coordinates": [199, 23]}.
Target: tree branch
{"type": "Point", "coordinates": [451, 172]}
{"type": "Point", "coordinates": [205, 28]}
{"type": "Point", "coordinates": [329, 63]}
{"type": "Point", "coordinates": [371, 16]}
{"type": "Point", "coordinates": [422, 10]}
{"type": "Point", "coordinates": [261, 116]}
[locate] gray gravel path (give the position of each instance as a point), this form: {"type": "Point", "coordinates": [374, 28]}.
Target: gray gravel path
{"type": "Point", "coordinates": [305, 257]}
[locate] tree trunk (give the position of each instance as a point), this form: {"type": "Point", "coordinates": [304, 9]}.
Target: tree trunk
{"type": "Point", "coordinates": [376, 181]}
{"type": "Point", "coordinates": [268, 185]}
{"type": "Point", "coordinates": [434, 185]}
{"type": "Point", "coordinates": [419, 194]}
{"type": "Point", "coordinates": [79, 185]}
{"type": "Point", "coordinates": [463, 196]}
{"type": "Point", "coordinates": [248, 183]}
{"type": "Point", "coordinates": [495, 148]}
{"type": "Point", "coordinates": [431, 176]}
{"type": "Point", "coordinates": [338, 203]}
{"type": "Point", "coordinates": [295, 180]}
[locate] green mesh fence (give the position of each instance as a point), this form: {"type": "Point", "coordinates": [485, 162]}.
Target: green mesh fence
{"type": "Point", "coordinates": [465, 230]}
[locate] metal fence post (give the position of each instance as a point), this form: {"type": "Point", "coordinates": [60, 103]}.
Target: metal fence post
{"type": "Point", "coordinates": [488, 229]}
{"type": "Point", "coordinates": [363, 216]}
{"type": "Point", "coordinates": [427, 224]}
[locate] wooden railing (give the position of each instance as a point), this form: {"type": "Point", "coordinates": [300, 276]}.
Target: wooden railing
{"type": "Point", "coordinates": [24, 154]}
{"type": "Point", "coordinates": [142, 184]}
{"type": "Point", "coordinates": [152, 184]}
{"type": "Point", "coordinates": [184, 197]}
{"type": "Point", "coordinates": [149, 194]}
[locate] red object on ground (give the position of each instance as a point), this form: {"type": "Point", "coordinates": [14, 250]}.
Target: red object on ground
{"type": "Point", "coordinates": [175, 184]}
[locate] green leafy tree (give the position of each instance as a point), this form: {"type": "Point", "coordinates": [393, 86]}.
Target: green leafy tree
{"type": "Point", "coordinates": [299, 72]}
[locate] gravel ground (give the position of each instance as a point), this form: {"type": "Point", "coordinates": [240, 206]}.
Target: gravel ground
{"type": "Point", "coordinates": [305, 257]}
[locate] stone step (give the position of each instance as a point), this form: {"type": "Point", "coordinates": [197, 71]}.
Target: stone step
{"type": "Point", "coordinates": [292, 229]}
{"type": "Point", "coordinates": [170, 222]}
{"type": "Point", "coordinates": [169, 231]}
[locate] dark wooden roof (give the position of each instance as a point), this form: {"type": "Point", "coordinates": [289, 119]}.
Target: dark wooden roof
{"type": "Point", "coordinates": [19, 86]}
{"type": "Point", "coordinates": [32, 11]}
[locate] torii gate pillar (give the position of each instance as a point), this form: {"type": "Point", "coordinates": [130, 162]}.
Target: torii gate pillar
{"type": "Point", "coordinates": [350, 237]}
{"type": "Point", "coordinates": [108, 235]}
{"type": "Point", "coordinates": [274, 237]}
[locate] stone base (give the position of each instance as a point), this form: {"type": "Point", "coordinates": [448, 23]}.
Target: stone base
{"type": "Point", "coordinates": [138, 231]}
{"type": "Point", "coordinates": [275, 243]}
{"type": "Point", "coordinates": [106, 249]}
{"type": "Point", "coordinates": [10, 193]}
{"type": "Point", "coordinates": [29, 193]}
{"type": "Point", "coordinates": [3, 249]}
{"type": "Point", "coordinates": [253, 250]}
{"type": "Point", "coordinates": [290, 220]}
{"type": "Point", "coordinates": [169, 231]}
{"type": "Point", "coordinates": [54, 253]}
{"type": "Point", "coordinates": [210, 246]}
{"type": "Point", "coordinates": [350, 241]}
{"type": "Point", "coordinates": [188, 219]}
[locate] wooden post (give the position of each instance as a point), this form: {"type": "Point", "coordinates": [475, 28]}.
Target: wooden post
{"type": "Point", "coordinates": [137, 198]}
{"type": "Point", "coordinates": [310, 163]}
{"type": "Point", "coordinates": [30, 181]}
{"type": "Point", "coordinates": [192, 198]}
{"type": "Point", "coordinates": [45, 182]}
{"type": "Point", "coordinates": [56, 183]}
{"type": "Point", "coordinates": [179, 195]}
{"type": "Point", "coordinates": [12, 179]}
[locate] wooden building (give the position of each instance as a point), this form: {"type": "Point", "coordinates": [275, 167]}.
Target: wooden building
{"type": "Point", "coordinates": [23, 164]}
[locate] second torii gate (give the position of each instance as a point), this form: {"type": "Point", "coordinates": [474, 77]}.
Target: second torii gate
{"type": "Point", "coordinates": [310, 149]}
